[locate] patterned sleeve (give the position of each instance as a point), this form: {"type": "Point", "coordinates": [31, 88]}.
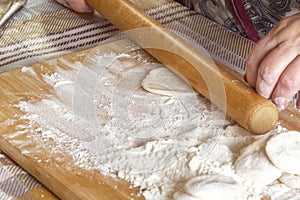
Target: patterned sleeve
{"type": "Point", "coordinates": [252, 19]}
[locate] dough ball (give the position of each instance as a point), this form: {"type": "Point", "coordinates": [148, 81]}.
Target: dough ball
{"type": "Point", "coordinates": [284, 151]}
{"type": "Point", "coordinates": [291, 180]}
{"type": "Point", "coordinates": [163, 81]}
{"type": "Point", "coordinates": [254, 165]}
{"type": "Point", "coordinates": [213, 186]}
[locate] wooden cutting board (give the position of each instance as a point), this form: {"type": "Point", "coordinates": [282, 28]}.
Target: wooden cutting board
{"type": "Point", "coordinates": [60, 172]}
{"type": "Point", "coordinates": [57, 172]}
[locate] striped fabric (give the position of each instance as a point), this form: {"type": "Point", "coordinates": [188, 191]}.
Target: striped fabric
{"type": "Point", "coordinates": [48, 30]}
{"type": "Point", "coordinates": [15, 182]}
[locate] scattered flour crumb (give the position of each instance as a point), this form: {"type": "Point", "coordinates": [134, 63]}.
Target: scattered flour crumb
{"type": "Point", "coordinates": [29, 70]}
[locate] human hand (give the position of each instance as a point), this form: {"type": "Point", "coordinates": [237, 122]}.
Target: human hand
{"type": "Point", "coordinates": [273, 66]}
{"type": "Point", "coordinates": [76, 5]}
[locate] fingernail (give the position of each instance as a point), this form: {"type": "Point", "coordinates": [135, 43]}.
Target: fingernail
{"type": "Point", "coordinates": [66, 4]}
{"type": "Point", "coordinates": [281, 102]}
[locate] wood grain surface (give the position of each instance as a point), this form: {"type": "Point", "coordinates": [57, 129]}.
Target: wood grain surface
{"type": "Point", "coordinates": [63, 176]}
{"type": "Point", "coordinates": [65, 179]}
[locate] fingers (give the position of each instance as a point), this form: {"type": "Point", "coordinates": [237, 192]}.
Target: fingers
{"type": "Point", "coordinates": [272, 68]}
{"type": "Point", "coordinates": [62, 2]}
{"type": "Point", "coordinates": [273, 65]}
{"type": "Point", "coordinates": [80, 6]}
{"type": "Point", "coordinates": [288, 85]}
{"type": "Point", "coordinates": [258, 53]}
{"type": "Point", "coordinates": [76, 5]}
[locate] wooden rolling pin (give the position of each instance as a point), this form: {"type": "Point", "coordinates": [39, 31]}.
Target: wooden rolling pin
{"type": "Point", "coordinates": [239, 101]}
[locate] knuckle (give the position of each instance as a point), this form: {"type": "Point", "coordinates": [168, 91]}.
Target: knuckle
{"type": "Point", "coordinates": [284, 23]}
{"type": "Point", "coordinates": [287, 46]}
{"type": "Point", "coordinates": [287, 82]}
{"type": "Point", "coordinates": [283, 46]}
{"type": "Point", "coordinates": [289, 31]}
{"type": "Point", "coordinates": [266, 74]}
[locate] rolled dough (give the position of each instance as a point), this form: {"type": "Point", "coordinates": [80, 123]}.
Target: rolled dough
{"type": "Point", "coordinates": [183, 196]}
{"type": "Point", "coordinates": [164, 82]}
{"type": "Point", "coordinates": [290, 180]}
{"type": "Point", "coordinates": [254, 165]}
{"type": "Point", "coordinates": [213, 186]}
{"type": "Point", "coordinates": [284, 151]}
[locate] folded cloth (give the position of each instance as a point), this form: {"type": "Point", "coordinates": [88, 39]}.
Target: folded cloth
{"type": "Point", "coordinates": [9, 8]}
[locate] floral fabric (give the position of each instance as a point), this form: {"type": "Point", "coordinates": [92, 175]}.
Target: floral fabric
{"type": "Point", "coordinates": [252, 19]}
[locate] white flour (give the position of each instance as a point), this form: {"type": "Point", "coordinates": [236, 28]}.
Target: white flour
{"type": "Point", "coordinates": [104, 119]}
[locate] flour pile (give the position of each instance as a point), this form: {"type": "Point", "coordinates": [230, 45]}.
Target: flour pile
{"type": "Point", "coordinates": [174, 145]}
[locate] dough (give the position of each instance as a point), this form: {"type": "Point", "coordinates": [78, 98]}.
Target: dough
{"type": "Point", "coordinates": [254, 165]}
{"type": "Point", "coordinates": [257, 168]}
{"type": "Point", "coordinates": [290, 180]}
{"type": "Point", "coordinates": [284, 151]}
{"type": "Point", "coordinates": [213, 186]}
{"type": "Point", "coordinates": [163, 81]}
{"type": "Point", "coordinates": [257, 145]}
{"type": "Point", "coordinates": [183, 196]}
